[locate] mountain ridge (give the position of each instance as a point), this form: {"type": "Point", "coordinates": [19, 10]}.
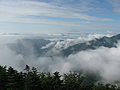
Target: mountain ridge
{"type": "Point", "coordinates": [93, 44]}
{"type": "Point", "coordinates": [43, 47]}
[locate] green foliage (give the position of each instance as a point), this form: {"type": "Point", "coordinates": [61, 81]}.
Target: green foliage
{"type": "Point", "coordinates": [73, 81]}
{"type": "Point", "coordinates": [11, 79]}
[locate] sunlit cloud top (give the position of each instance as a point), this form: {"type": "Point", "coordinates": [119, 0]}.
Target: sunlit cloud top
{"type": "Point", "coordinates": [54, 16]}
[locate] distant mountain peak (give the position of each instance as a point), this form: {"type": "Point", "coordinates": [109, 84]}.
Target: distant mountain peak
{"type": "Point", "coordinates": [43, 47]}
{"type": "Point", "coordinates": [93, 44]}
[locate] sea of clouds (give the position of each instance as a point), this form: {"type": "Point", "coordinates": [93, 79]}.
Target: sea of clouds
{"type": "Point", "coordinates": [104, 61]}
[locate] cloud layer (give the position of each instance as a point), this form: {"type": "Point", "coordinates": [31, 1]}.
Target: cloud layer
{"type": "Point", "coordinates": [20, 10]}
{"type": "Point", "coordinates": [104, 61]}
{"type": "Point", "coordinates": [55, 16]}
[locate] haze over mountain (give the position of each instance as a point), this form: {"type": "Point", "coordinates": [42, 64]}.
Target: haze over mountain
{"type": "Point", "coordinates": [87, 53]}
{"type": "Point", "coordinates": [93, 44]}
{"type": "Point", "coordinates": [43, 47]}
{"type": "Point", "coordinates": [61, 35]}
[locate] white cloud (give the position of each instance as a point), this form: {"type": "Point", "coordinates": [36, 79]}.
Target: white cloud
{"type": "Point", "coordinates": [99, 60]}
{"type": "Point", "coordinates": [17, 9]}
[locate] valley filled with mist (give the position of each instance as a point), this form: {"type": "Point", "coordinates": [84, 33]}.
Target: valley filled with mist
{"type": "Point", "coordinates": [59, 44]}
{"type": "Point", "coordinates": [94, 53]}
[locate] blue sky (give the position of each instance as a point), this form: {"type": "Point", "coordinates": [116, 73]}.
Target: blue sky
{"type": "Point", "coordinates": [59, 16]}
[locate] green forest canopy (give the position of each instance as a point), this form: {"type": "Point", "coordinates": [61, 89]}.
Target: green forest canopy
{"type": "Point", "coordinates": [31, 79]}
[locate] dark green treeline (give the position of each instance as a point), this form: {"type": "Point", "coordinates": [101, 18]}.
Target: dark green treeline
{"type": "Point", "coordinates": [11, 79]}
